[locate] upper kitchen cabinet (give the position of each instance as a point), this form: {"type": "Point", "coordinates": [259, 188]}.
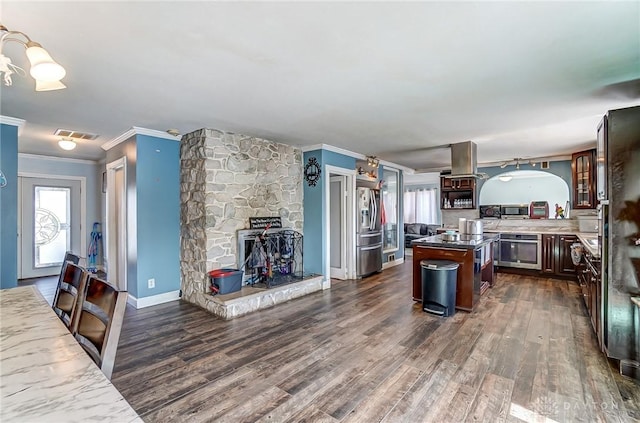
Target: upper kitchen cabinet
{"type": "Point", "coordinates": [583, 171]}
{"type": "Point", "coordinates": [457, 193]}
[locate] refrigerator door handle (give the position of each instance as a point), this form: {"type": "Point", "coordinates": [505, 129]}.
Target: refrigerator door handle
{"type": "Point", "coordinates": [373, 247]}
{"type": "Point", "coordinates": [374, 208]}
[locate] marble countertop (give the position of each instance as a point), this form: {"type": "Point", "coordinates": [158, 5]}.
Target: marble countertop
{"type": "Point", "coordinates": [45, 374]}
{"type": "Point", "coordinates": [467, 242]}
{"type": "Point", "coordinates": [539, 230]}
{"type": "Point", "coordinates": [525, 228]}
{"type": "Point", "coordinates": [590, 243]}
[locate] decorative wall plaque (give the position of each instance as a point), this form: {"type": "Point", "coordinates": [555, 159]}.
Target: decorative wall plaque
{"type": "Point", "coordinates": [263, 222]}
{"type": "Point", "coordinates": [312, 172]}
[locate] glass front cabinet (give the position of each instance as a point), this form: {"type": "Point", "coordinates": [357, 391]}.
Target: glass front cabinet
{"type": "Point", "coordinates": [583, 175]}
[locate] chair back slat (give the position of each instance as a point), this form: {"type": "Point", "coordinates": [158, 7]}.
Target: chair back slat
{"type": "Point", "coordinates": [68, 294]}
{"type": "Point", "coordinates": [68, 257]}
{"type": "Point", "coordinates": [100, 321]}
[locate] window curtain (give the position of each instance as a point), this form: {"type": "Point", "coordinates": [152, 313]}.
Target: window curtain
{"type": "Point", "coordinates": [420, 206]}
{"type": "Point", "coordinates": [389, 207]}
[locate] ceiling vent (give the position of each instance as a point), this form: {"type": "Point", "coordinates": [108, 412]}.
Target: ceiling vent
{"type": "Point", "coordinates": [75, 134]}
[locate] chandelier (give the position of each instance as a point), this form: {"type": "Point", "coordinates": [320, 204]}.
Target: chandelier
{"type": "Point", "coordinates": [46, 71]}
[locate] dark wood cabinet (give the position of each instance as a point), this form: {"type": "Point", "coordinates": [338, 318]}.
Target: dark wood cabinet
{"type": "Point", "coordinates": [457, 193]}
{"type": "Point", "coordinates": [588, 274]}
{"type": "Point", "coordinates": [548, 253]}
{"type": "Point", "coordinates": [583, 175]}
{"type": "Point", "coordinates": [556, 254]}
{"type": "Point", "coordinates": [565, 264]}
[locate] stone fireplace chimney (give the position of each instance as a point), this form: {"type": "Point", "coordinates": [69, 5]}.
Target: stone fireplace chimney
{"type": "Point", "coordinates": [226, 178]}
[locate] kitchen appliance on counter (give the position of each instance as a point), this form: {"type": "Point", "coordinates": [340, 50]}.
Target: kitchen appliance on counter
{"type": "Point", "coordinates": [539, 210]}
{"type": "Point", "coordinates": [618, 173]}
{"type": "Point", "coordinates": [490, 212]}
{"type": "Point", "coordinates": [514, 211]}
{"type": "Point", "coordinates": [462, 225]}
{"type": "Point", "coordinates": [474, 227]}
{"type": "Point", "coordinates": [451, 236]}
{"type": "Point", "coordinates": [369, 232]}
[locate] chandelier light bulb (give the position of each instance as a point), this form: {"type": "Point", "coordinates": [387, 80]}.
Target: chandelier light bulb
{"type": "Point", "coordinates": [43, 67]}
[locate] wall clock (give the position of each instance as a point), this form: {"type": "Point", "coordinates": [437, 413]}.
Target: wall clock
{"type": "Point", "coordinates": [312, 172]}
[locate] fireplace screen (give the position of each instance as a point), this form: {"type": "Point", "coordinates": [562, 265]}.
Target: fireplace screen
{"type": "Point", "coordinates": [272, 257]}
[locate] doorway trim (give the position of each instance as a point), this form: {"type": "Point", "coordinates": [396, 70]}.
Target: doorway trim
{"type": "Point", "coordinates": [350, 185]}
{"type": "Point", "coordinates": [83, 208]}
{"type": "Point", "coordinates": [341, 271]}
{"type": "Point", "coordinates": [117, 256]}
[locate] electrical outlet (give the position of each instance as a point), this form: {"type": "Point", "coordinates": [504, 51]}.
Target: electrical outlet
{"type": "Point", "coordinates": [152, 283]}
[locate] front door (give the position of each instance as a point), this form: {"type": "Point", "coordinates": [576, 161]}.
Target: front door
{"type": "Point", "coordinates": [49, 224]}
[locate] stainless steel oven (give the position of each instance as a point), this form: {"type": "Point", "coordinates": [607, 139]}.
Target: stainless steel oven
{"type": "Point", "coordinates": [519, 250]}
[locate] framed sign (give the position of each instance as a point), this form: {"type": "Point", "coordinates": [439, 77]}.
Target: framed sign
{"type": "Point", "coordinates": [263, 222]}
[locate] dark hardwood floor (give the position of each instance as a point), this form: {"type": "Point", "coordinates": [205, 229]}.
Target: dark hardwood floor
{"type": "Point", "coordinates": [364, 351]}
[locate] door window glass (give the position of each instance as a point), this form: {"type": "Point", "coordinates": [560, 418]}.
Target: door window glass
{"type": "Point", "coordinates": [51, 231]}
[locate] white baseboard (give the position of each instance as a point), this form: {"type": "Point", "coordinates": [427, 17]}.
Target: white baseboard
{"type": "Point", "coordinates": [153, 300]}
{"type": "Point", "coordinates": [396, 262]}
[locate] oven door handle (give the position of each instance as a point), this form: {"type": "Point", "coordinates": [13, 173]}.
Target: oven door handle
{"type": "Point", "coordinates": [518, 241]}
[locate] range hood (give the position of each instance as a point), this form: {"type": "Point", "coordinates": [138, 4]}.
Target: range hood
{"type": "Point", "coordinates": [464, 161]}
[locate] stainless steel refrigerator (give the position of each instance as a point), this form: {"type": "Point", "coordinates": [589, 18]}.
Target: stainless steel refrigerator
{"type": "Point", "coordinates": [618, 191]}
{"type": "Point", "coordinates": [369, 232]}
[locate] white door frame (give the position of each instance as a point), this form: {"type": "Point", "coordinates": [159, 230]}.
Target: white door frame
{"type": "Point", "coordinates": [339, 272]}
{"type": "Point", "coordinates": [83, 209]}
{"type": "Point", "coordinates": [350, 232]}
{"type": "Point", "coordinates": [116, 218]}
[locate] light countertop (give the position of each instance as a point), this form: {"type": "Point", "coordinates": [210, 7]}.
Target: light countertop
{"type": "Point", "coordinates": [466, 241]}
{"type": "Point", "coordinates": [590, 243]}
{"type": "Point", "coordinates": [46, 375]}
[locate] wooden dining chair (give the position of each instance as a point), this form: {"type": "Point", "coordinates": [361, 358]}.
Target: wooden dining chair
{"type": "Point", "coordinates": [100, 321]}
{"type": "Point", "coordinates": [68, 257]}
{"type": "Point", "coordinates": [69, 293]}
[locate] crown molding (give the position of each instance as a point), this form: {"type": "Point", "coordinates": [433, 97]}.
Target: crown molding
{"type": "Point", "coordinates": [333, 149]}
{"type": "Point", "coordinates": [8, 120]}
{"type": "Point", "coordinates": [357, 156]}
{"type": "Point", "coordinates": [56, 159]}
{"type": "Point", "coordinates": [136, 130]}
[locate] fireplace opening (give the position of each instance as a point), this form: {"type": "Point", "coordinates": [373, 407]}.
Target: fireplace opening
{"type": "Point", "coordinates": [270, 258]}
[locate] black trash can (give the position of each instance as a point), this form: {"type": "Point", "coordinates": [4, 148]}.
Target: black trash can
{"type": "Point", "coordinates": [439, 286]}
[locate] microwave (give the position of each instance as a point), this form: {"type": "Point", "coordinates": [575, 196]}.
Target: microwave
{"type": "Point", "coordinates": [489, 212]}
{"type": "Point", "coordinates": [514, 211]}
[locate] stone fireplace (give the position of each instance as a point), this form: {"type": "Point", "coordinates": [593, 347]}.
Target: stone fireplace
{"type": "Point", "coordinates": [226, 178]}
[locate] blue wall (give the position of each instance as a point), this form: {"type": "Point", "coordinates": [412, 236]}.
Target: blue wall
{"type": "Point", "coordinates": [315, 239]}
{"type": "Point", "coordinates": [9, 207]}
{"type": "Point", "coordinates": [158, 214]}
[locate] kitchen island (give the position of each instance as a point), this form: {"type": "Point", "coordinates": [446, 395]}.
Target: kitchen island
{"type": "Point", "coordinates": [474, 254]}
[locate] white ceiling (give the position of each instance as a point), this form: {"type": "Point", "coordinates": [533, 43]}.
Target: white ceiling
{"type": "Point", "coordinates": [521, 79]}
